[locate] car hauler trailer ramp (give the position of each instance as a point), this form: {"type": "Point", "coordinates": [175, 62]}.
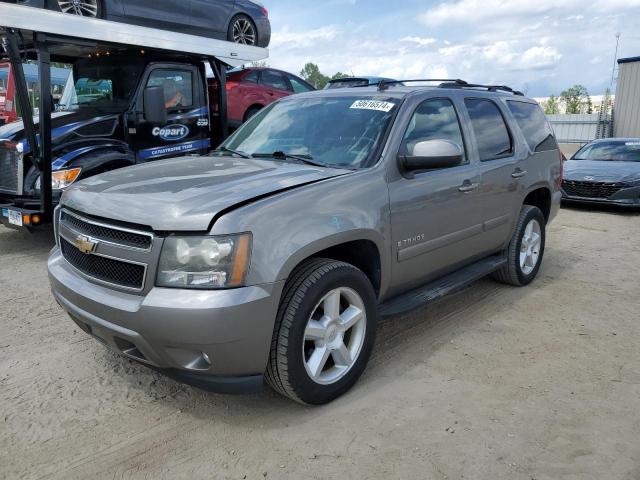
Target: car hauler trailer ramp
{"type": "Point", "coordinates": [44, 36]}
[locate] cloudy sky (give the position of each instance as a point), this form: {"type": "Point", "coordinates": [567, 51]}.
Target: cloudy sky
{"type": "Point", "coordinates": [539, 46]}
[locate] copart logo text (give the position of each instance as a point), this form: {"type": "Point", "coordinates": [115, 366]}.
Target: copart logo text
{"type": "Point", "coordinates": [171, 133]}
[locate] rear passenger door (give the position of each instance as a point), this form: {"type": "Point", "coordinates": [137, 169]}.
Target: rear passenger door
{"type": "Point", "coordinates": [276, 85]}
{"type": "Point", "coordinates": [500, 159]}
{"type": "Point", "coordinates": [435, 219]}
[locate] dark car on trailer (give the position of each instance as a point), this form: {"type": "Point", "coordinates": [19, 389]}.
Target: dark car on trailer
{"type": "Point", "coordinates": [604, 172]}
{"type": "Point", "coordinates": [240, 21]}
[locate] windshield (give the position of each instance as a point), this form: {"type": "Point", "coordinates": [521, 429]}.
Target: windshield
{"type": "Point", "coordinates": [106, 86]}
{"type": "Point", "coordinates": [338, 131]}
{"type": "Point", "coordinates": [620, 151]}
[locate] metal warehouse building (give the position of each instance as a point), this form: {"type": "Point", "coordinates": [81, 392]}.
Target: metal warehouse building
{"type": "Point", "coordinates": [627, 110]}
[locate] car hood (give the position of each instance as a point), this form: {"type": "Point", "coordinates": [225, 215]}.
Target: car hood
{"type": "Point", "coordinates": [602, 171]}
{"type": "Point", "coordinates": [63, 125]}
{"type": "Point", "coordinates": [185, 194]}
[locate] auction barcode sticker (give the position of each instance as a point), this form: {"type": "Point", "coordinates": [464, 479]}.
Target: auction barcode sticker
{"type": "Point", "coordinates": [373, 105]}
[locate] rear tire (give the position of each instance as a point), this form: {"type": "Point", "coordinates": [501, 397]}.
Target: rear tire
{"type": "Point", "coordinates": [86, 8]}
{"type": "Point", "coordinates": [242, 30]}
{"type": "Point", "coordinates": [526, 249]}
{"type": "Point", "coordinates": [319, 352]}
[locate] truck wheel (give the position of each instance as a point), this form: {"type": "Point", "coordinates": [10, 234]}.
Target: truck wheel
{"type": "Point", "coordinates": [83, 8]}
{"type": "Point", "coordinates": [324, 332]}
{"type": "Point", "coordinates": [242, 30]}
{"type": "Point", "coordinates": [525, 252]}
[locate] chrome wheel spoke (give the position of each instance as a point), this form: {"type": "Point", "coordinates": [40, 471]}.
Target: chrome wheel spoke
{"type": "Point", "coordinates": [317, 361]}
{"type": "Point", "coordinates": [331, 305]}
{"type": "Point", "coordinates": [342, 355]}
{"type": "Point", "coordinates": [350, 317]}
{"type": "Point", "coordinates": [530, 245]}
{"type": "Point", "coordinates": [314, 331]}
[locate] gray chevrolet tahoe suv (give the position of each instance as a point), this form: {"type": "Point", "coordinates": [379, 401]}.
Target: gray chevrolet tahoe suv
{"type": "Point", "coordinates": [274, 256]}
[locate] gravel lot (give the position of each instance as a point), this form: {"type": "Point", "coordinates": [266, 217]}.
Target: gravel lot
{"type": "Point", "coordinates": [493, 383]}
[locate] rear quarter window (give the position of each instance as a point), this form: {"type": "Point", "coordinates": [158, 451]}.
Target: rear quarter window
{"type": "Point", "coordinates": [534, 126]}
{"type": "Point", "coordinates": [491, 132]}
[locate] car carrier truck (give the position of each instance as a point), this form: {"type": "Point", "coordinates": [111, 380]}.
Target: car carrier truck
{"type": "Point", "coordinates": [137, 94]}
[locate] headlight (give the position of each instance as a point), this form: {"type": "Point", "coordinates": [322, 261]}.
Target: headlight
{"type": "Point", "coordinates": [204, 262]}
{"type": "Point", "coordinates": [61, 179]}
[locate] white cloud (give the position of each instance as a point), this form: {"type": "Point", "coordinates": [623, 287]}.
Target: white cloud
{"type": "Point", "coordinates": [419, 40]}
{"type": "Point", "coordinates": [305, 38]}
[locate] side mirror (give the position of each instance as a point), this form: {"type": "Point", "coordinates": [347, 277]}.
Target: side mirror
{"type": "Point", "coordinates": [154, 110]}
{"type": "Point", "coordinates": [432, 154]}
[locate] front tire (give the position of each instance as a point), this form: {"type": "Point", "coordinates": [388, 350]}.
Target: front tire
{"type": "Point", "coordinates": [324, 332]}
{"type": "Point", "coordinates": [82, 8]}
{"type": "Point", "coordinates": [526, 249]}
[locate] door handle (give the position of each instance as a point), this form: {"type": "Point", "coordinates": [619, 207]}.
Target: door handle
{"type": "Point", "coordinates": [467, 187]}
{"type": "Point", "coordinates": [519, 173]}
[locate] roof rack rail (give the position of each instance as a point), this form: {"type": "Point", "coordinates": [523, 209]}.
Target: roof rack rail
{"type": "Point", "coordinates": [450, 83]}
{"type": "Point", "coordinates": [489, 88]}
{"type": "Point", "coordinates": [384, 84]}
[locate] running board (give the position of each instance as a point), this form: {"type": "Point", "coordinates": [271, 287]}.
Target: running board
{"type": "Point", "coordinates": [451, 283]}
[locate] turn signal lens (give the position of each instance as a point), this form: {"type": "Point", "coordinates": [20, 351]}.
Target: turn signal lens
{"type": "Point", "coordinates": [63, 178]}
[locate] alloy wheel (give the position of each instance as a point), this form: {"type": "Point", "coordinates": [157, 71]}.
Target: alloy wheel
{"type": "Point", "coordinates": [334, 335]}
{"type": "Point", "coordinates": [530, 247]}
{"type": "Point", "coordinates": [83, 8]}
{"type": "Point", "coordinates": [244, 32]}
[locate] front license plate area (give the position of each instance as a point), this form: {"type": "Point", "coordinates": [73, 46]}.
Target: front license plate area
{"type": "Point", "coordinates": [15, 217]}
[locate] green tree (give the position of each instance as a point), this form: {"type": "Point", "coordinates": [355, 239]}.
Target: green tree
{"type": "Point", "coordinates": [552, 106]}
{"type": "Point", "coordinates": [340, 75]}
{"type": "Point", "coordinates": [575, 99]}
{"type": "Point", "coordinates": [311, 73]}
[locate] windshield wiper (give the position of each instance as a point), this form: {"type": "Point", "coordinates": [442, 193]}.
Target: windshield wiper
{"type": "Point", "coordinates": [279, 155]}
{"type": "Point", "coordinates": [235, 152]}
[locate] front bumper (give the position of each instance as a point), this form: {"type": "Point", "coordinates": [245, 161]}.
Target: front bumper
{"type": "Point", "coordinates": [626, 198]}
{"type": "Point", "coordinates": [218, 340]}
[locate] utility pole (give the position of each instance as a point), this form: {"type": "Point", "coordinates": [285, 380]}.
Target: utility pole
{"type": "Point", "coordinates": [615, 60]}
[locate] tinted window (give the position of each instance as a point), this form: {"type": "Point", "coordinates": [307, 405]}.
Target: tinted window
{"type": "Point", "coordinates": [275, 80]}
{"type": "Point", "coordinates": [351, 82]}
{"type": "Point", "coordinates": [488, 125]}
{"type": "Point", "coordinates": [299, 86]}
{"type": "Point", "coordinates": [177, 84]}
{"type": "Point", "coordinates": [339, 131]}
{"type": "Point", "coordinates": [534, 126]}
{"type": "Point", "coordinates": [251, 77]}
{"type": "Point", "coordinates": [616, 151]}
{"type": "Point", "coordinates": [434, 119]}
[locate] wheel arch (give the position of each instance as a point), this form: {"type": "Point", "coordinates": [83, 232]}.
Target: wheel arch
{"type": "Point", "coordinates": [363, 250]}
{"type": "Point", "coordinates": [540, 196]}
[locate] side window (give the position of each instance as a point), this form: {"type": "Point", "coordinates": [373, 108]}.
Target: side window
{"type": "Point", "coordinates": [275, 80]}
{"type": "Point", "coordinates": [177, 84]}
{"type": "Point", "coordinates": [434, 119]}
{"type": "Point", "coordinates": [251, 77]}
{"type": "Point", "coordinates": [298, 85]}
{"type": "Point", "coordinates": [490, 129]}
{"type": "Point", "coordinates": [534, 126]}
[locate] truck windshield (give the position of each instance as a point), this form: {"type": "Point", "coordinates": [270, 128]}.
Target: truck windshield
{"type": "Point", "coordinates": [332, 131]}
{"type": "Point", "coordinates": [107, 86]}
{"type": "Point", "coordinates": [616, 151]}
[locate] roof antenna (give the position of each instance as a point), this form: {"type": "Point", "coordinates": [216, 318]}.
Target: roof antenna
{"type": "Point", "coordinates": [382, 86]}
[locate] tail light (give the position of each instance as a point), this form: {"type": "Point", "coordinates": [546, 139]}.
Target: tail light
{"type": "Point", "coordinates": [265, 11]}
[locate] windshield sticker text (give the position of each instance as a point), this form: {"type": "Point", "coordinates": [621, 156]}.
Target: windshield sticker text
{"type": "Point", "coordinates": [373, 105]}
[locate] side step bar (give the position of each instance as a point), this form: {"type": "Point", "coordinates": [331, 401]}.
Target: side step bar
{"type": "Point", "coordinates": [451, 283]}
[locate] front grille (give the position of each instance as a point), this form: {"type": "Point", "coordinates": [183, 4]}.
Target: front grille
{"type": "Point", "coordinates": [104, 269]}
{"type": "Point", "coordinates": [126, 238]}
{"type": "Point", "coordinates": [9, 171]}
{"type": "Point", "coordinates": [591, 189]}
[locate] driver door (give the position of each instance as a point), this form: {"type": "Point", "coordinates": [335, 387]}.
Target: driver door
{"type": "Point", "coordinates": [435, 217]}
{"type": "Point", "coordinates": [187, 126]}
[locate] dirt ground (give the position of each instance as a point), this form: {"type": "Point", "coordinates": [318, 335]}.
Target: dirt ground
{"type": "Point", "coordinates": [493, 383]}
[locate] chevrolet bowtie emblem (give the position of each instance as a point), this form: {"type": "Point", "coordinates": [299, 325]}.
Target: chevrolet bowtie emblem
{"type": "Point", "coordinates": [85, 244]}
